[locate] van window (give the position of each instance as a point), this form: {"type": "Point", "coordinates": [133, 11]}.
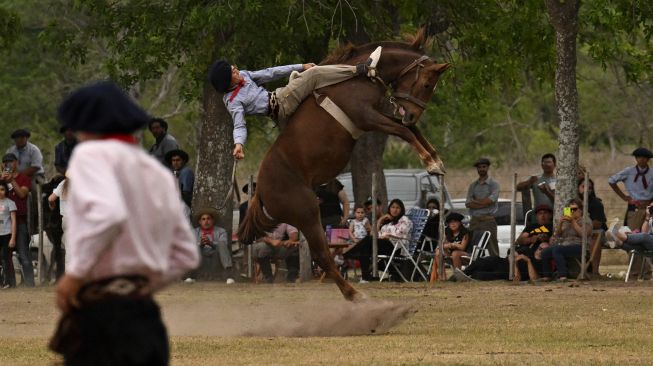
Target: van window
{"type": "Point", "coordinates": [402, 187]}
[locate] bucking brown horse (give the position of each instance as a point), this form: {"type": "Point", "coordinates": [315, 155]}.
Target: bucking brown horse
{"type": "Point", "coordinates": [313, 147]}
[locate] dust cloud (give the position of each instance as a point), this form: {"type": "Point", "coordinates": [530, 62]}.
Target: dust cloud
{"type": "Point", "coordinates": [269, 318]}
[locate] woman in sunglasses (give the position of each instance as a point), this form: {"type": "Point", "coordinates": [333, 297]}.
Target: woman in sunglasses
{"type": "Point", "coordinates": [567, 240]}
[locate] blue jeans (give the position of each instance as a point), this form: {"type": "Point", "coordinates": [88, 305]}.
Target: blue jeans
{"type": "Point", "coordinates": [558, 253]}
{"type": "Point", "coordinates": [24, 256]}
{"type": "Point", "coordinates": [639, 242]}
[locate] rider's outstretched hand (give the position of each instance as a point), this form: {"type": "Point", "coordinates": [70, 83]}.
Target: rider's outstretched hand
{"type": "Point", "coordinates": [239, 152]}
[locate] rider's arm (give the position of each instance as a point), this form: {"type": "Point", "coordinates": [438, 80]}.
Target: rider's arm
{"type": "Point", "coordinates": [237, 113]}
{"type": "Point", "coordinates": [274, 73]}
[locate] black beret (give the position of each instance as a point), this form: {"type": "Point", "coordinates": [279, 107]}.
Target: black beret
{"type": "Point", "coordinates": [543, 207]}
{"type": "Point", "coordinates": [9, 157]}
{"type": "Point", "coordinates": [220, 75]}
{"type": "Point", "coordinates": [177, 152]}
{"type": "Point", "coordinates": [21, 132]}
{"type": "Point", "coordinates": [642, 151]}
{"type": "Point", "coordinates": [455, 216]}
{"type": "Point", "coordinates": [482, 161]}
{"type": "Point", "coordinates": [246, 187]}
{"type": "Point", "coordinates": [101, 108]}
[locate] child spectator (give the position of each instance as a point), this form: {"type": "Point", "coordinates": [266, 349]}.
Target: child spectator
{"type": "Point", "coordinates": [456, 239]}
{"type": "Point", "coordinates": [7, 236]}
{"type": "Point", "coordinates": [360, 226]}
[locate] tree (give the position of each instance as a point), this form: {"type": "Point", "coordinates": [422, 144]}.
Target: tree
{"type": "Point", "coordinates": [564, 19]}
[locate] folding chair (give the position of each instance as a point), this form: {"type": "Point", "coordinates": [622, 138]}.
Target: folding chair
{"type": "Point", "coordinates": [642, 253]}
{"type": "Point", "coordinates": [404, 249]}
{"type": "Point", "coordinates": [479, 250]}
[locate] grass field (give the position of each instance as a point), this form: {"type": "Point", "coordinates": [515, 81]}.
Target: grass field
{"type": "Point", "coordinates": [592, 323]}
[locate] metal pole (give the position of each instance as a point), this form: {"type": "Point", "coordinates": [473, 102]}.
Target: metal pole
{"type": "Point", "coordinates": [250, 264]}
{"type": "Point", "coordinates": [583, 274]}
{"type": "Point", "coordinates": [39, 209]}
{"type": "Point", "coordinates": [513, 217]}
{"type": "Point", "coordinates": [442, 272]}
{"type": "Point", "coordinates": [375, 234]}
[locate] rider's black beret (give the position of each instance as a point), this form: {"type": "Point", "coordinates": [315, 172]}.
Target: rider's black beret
{"type": "Point", "coordinates": [220, 75]}
{"type": "Point", "coordinates": [642, 151]}
{"type": "Point", "coordinates": [101, 108]}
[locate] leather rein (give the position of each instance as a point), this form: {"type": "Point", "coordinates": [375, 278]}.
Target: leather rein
{"type": "Point", "coordinates": [393, 96]}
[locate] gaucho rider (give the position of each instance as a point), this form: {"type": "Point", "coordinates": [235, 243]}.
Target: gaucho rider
{"type": "Point", "coordinates": [244, 95]}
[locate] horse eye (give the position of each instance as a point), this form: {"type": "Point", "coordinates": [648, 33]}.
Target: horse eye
{"type": "Point", "coordinates": [427, 86]}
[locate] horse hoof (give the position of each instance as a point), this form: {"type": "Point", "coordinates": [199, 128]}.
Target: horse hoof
{"type": "Point", "coordinates": [436, 169]}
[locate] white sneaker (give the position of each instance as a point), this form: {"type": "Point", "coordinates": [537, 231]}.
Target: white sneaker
{"type": "Point", "coordinates": [189, 280]}
{"type": "Point", "coordinates": [230, 281]}
{"type": "Point", "coordinates": [611, 234]}
{"type": "Point", "coordinates": [363, 281]}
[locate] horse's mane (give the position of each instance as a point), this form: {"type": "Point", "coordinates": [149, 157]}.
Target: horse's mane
{"type": "Point", "coordinates": [345, 53]}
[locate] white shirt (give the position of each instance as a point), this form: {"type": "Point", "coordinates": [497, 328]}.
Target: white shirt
{"type": "Point", "coordinates": [62, 200]}
{"type": "Point", "coordinates": [125, 216]}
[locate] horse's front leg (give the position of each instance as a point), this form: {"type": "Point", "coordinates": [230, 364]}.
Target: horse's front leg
{"type": "Point", "coordinates": [427, 145]}
{"type": "Point", "coordinates": [373, 120]}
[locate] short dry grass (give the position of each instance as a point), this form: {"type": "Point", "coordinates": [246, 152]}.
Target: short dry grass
{"type": "Point", "coordinates": [593, 323]}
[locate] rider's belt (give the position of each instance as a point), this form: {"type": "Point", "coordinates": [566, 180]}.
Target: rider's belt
{"type": "Point", "coordinates": [132, 287]}
{"type": "Point", "coordinates": [273, 106]}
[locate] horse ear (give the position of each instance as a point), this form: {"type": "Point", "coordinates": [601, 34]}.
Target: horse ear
{"type": "Point", "coordinates": [420, 39]}
{"type": "Point", "coordinates": [440, 68]}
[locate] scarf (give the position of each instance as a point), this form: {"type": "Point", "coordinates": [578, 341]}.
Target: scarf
{"type": "Point", "coordinates": [235, 92]}
{"type": "Point", "coordinates": [643, 175]}
{"type": "Point", "coordinates": [130, 139]}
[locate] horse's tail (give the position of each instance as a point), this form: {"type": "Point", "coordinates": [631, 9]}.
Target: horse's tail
{"type": "Point", "coordinates": [256, 222]}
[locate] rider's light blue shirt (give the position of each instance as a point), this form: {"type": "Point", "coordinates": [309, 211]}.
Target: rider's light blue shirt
{"type": "Point", "coordinates": [252, 99]}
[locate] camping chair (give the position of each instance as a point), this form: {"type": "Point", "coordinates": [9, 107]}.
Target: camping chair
{"type": "Point", "coordinates": [642, 253]}
{"type": "Point", "coordinates": [479, 249]}
{"type": "Point", "coordinates": [426, 255]}
{"type": "Point", "coordinates": [404, 249]}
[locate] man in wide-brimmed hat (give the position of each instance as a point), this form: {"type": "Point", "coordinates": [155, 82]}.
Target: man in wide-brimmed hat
{"type": "Point", "coordinates": [125, 238]}
{"type": "Point", "coordinates": [30, 158]}
{"type": "Point", "coordinates": [212, 239]}
{"type": "Point", "coordinates": [482, 198]}
{"type": "Point", "coordinates": [177, 160]}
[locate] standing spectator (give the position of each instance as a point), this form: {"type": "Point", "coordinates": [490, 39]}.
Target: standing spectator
{"type": "Point", "coordinates": [482, 197]}
{"type": "Point", "coordinates": [18, 186]}
{"type": "Point", "coordinates": [282, 243]}
{"type": "Point", "coordinates": [64, 149]}
{"type": "Point", "coordinates": [638, 181]}
{"type": "Point", "coordinates": [126, 239]}
{"type": "Point", "coordinates": [7, 236]}
{"type": "Point", "coordinates": [567, 241]}
{"type": "Point", "coordinates": [213, 240]}
{"type": "Point", "coordinates": [164, 142]}
{"type": "Point", "coordinates": [331, 196]}
{"type": "Point", "coordinates": [60, 193]}
{"type": "Point", "coordinates": [177, 160]}
{"type": "Point", "coordinates": [30, 159]}
{"type": "Point", "coordinates": [243, 206]}
{"type": "Point", "coordinates": [543, 187]}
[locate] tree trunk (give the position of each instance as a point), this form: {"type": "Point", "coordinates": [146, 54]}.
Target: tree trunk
{"type": "Point", "coordinates": [563, 15]}
{"type": "Point", "coordinates": [214, 164]}
{"type": "Point", "coordinates": [367, 159]}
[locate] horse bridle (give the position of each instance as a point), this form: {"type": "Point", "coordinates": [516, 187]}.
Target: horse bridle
{"type": "Point", "coordinates": [393, 95]}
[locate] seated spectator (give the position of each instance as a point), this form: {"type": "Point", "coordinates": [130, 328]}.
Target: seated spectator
{"type": "Point", "coordinates": [530, 242]}
{"type": "Point", "coordinates": [566, 241]}
{"type": "Point", "coordinates": [212, 240]}
{"type": "Point", "coordinates": [163, 141]}
{"type": "Point", "coordinates": [30, 159]}
{"type": "Point", "coordinates": [18, 186]}
{"type": "Point", "coordinates": [64, 150]}
{"type": "Point", "coordinates": [7, 236]}
{"type": "Point", "coordinates": [392, 227]}
{"type": "Point", "coordinates": [432, 227]}
{"type": "Point", "coordinates": [177, 160]}
{"type": "Point", "coordinates": [596, 212]}
{"type": "Point", "coordinates": [456, 240]}
{"type": "Point", "coordinates": [642, 241]}
{"type": "Point", "coordinates": [282, 243]}
{"type": "Point", "coordinates": [360, 226]}
{"type": "Point", "coordinates": [368, 209]}
{"type": "Point", "coordinates": [334, 204]}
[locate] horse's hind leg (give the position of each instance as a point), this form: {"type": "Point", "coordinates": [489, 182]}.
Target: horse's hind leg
{"type": "Point", "coordinates": [321, 254]}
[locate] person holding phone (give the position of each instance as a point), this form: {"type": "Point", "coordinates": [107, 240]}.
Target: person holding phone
{"type": "Point", "coordinates": [566, 241]}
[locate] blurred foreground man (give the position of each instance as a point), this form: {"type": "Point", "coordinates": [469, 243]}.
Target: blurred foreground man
{"type": "Point", "coordinates": [126, 235]}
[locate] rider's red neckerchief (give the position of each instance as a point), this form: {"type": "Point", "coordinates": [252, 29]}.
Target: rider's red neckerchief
{"type": "Point", "coordinates": [130, 139]}
{"type": "Point", "coordinates": [643, 175]}
{"type": "Point", "coordinates": [235, 92]}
